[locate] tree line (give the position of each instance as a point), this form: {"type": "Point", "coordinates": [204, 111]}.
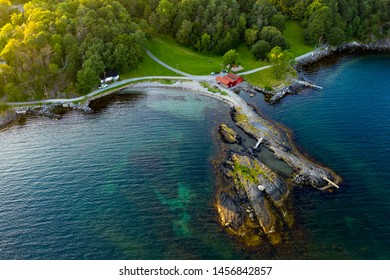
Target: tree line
{"type": "Point", "coordinates": [337, 21]}
{"type": "Point", "coordinates": [61, 46]}
{"type": "Point", "coordinates": [57, 47]}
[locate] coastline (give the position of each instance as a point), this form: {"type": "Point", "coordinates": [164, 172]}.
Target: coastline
{"type": "Point", "coordinates": [277, 138]}
{"type": "Point", "coordinates": [382, 46]}
{"type": "Point", "coordinates": [327, 52]}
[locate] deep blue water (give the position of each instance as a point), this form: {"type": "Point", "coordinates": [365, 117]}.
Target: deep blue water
{"type": "Point", "coordinates": [134, 181]}
{"type": "Point", "coordinates": [346, 126]}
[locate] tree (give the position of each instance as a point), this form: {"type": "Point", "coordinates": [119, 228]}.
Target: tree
{"type": "Point", "coordinates": [88, 76]}
{"type": "Point", "coordinates": [205, 42]}
{"type": "Point", "coordinates": [260, 49]}
{"type": "Point", "coordinates": [336, 36]}
{"type": "Point", "coordinates": [250, 36]}
{"type": "Point", "coordinates": [4, 11]}
{"type": "Point", "coordinates": [273, 36]}
{"type": "Point", "coordinates": [281, 62]}
{"type": "Point", "coordinates": [279, 21]}
{"type": "Point", "coordinates": [231, 58]}
{"type": "Point", "coordinates": [184, 34]}
{"type": "Point", "coordinates": [165, 13]}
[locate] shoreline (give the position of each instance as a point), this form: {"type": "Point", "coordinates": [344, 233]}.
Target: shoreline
{"type": "Point", "coordinates": [278, 138]}
{"type": "Point", "coordinates": [380, 47]}
{"type": "Point", "coordinates": [304, 62]}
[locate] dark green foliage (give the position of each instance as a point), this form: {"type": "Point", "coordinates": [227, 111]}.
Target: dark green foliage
{"type": "Point", "coordinates": [260, 49]}
{"type": "Point", "coordinates": [279, 21]}
{"type": "Point", "coordinates": [60, 42]}
{"type": "Point", "coordinates": [335, 36]}
{"type": "Point", "coordinates": [273, 36]}
{"type": "Point", "coordinates": [250, 36]}
{"type": "Point", "coordinates": [52, 47]}
{"type": "Point", "coordinates": [231, 58]}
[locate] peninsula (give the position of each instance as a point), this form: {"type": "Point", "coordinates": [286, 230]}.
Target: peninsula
{"type": "Point", "coordinates": [48, 70]}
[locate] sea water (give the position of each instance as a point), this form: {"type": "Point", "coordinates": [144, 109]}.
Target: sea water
{"type": "Point", "coordinates": [135, 180]}
{"type": "Point", "coordinates": [132, 181]}
{"type": "Point", "coordinates": [347, 127]}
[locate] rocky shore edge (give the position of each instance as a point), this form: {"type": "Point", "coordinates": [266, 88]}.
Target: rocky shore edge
{"type": "Point", "coordinates": [253, 201]}
{"type": "Point", "coordinates": [382, 46]}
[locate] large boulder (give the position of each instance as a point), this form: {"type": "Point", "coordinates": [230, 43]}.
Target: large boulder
{"type": "Point", "coordinates": [228, 135]}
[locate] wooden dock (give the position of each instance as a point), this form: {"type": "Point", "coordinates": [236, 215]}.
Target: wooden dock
{"type": "Point", "coordinates": [328, 186]}
{"type": "Point", "coordinates": [332, 183]}
{"type": "Point", "coordinates": [258, 143]}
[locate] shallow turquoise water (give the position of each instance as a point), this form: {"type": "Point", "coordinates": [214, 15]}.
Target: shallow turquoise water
{"type": "Point", "coordinates": [346, 126]}
{"type": "Point", "coordinates": [133, 181]}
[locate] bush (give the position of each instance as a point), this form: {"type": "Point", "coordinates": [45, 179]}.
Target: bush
{"type": "Point", "coordinates": [260, 49]}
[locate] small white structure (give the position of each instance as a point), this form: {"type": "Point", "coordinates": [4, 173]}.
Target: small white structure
{"type": "Point", "coordinates": [109, 76]}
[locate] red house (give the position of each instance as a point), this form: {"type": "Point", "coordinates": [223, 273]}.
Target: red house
{"type": "Point", "coordinates": [230, 80]}
{"type": "Point", "coordinates": [237, 79]}
{"type": "Point", "coordinates": [224, 81]}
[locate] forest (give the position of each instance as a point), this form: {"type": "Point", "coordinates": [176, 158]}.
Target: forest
{"type": "Point", "coordinates": [58, 48]}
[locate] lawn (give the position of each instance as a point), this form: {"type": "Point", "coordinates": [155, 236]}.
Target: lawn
{"type": "Point", "coordinates": [265, 79]}
{"type": "Point", "coordinates": [148, 68]}
{"type": "Point", "coordinates": [294, 35]}
{"type": "Point", "coordinates": [175, 55]}
{"type": "Point", "coordinates": [168, 50]}
{"type": "Point", "coordinates": [262, 79]}
{"type": "Point", "coordinates": [247, 59]}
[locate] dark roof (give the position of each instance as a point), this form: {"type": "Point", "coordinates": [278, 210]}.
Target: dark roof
{"type": "Point", "coordinates": [109, 73]}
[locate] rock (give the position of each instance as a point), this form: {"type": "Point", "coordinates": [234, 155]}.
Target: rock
{"type": "Point", "coordinates": [7, 118]}
{"type": "Point", "coordinates": [230, 211]}
{"type": "Point", "coordinates": [261, 188]}
{"type": "Point", "coordinates": [292, 89]}
{"type": "Point", "coordinates": [228, 135]}
{"type": "Point", "coordinates": [246, 208]}
{"type": "Point", "coordinates": [379, 46]}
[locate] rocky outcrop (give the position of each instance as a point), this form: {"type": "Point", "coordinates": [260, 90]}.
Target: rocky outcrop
{"type": "Point", "coordinates": [7, 118]}
{"type": "Point", "coordinates": [327, 52]}
{"type": "Point", "coordinates": [83, 107]}
{"type": "Point", "coordinates": [228, 135]}
{"type": "Point", "coordinates": [279, 140]}
{"type": "Point", "coordinates": [253, 201]}
{"type": "Point", "coordinates": [352, 47]}
{"type": "Point", "coordinates": [291, 89]}
{"type": "Point", "coordinates": [251, 204]}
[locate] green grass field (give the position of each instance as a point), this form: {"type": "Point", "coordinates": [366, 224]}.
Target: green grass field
{"type": "Point", "coordinates": [175, 55]}
{"type": "Point", "coordinates": [187, 60]}
{"type": "Point", "coordinates": [294, 35]}
{"type": "Point", "coordinates": [168, 50]}
{"type": "Point", "coordinates": [148, 68]}
{"type": "Point", "coordinates": [248, 61]}
{"type": "Point", "coordinates": [263, 79]}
